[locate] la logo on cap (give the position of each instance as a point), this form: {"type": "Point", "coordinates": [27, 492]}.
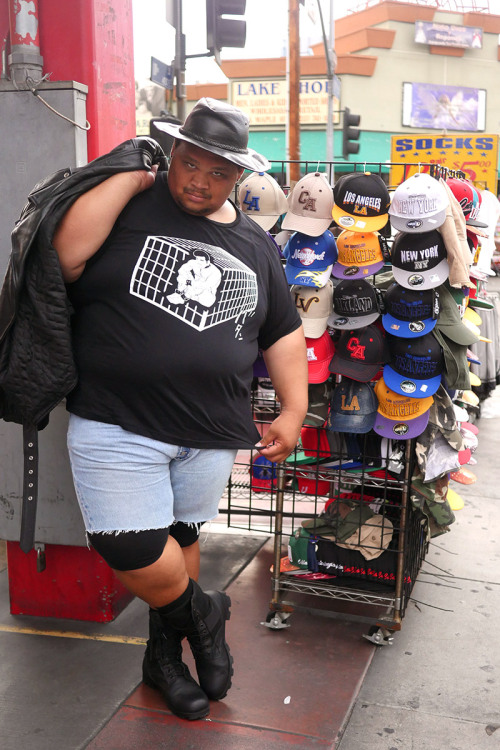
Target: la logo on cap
{"type": "Point", "coordinates": [352, 405]}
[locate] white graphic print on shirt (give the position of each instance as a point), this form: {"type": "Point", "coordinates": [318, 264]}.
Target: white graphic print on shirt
{"type": "Point", "coordinates": [202, 285]}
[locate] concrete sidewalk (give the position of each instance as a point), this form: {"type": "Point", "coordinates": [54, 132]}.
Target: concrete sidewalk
{"type": "Point", "coordinates": [438, 686]}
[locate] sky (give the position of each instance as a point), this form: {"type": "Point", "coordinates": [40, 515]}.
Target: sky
{"type": "Point", "coordinates": [267, 22]}
{"type": "Point", "coordinates": [154, 37]}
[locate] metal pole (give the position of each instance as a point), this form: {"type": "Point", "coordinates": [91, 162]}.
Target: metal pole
{"type": "Point", "coordinates": [180, 63]}
{"type": "Point", "coordinates": [293, 89]}
{"type": "Point", "coordinates": [25, 59]}
{"type": "Point", "coordinates": [330, 65]}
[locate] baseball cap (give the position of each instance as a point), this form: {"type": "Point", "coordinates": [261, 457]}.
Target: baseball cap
{"type": "Point", "coordinates": [400, 417]}
{"type": "Point", "coordinates": [419, 261]}
{"type": "Point", "coordinates": [261, 198]}
{"type": "Point", "coordinates": [419, 204]}
{"type": "Point", "coordinates": [359, 353]}
{"type": "Point", "coordinates": [478, 302]}
{"type": "Point", "coordinates": [450, 323]}
{"type": "Point", "coordinates": [463, 475]}
{"type": "Point", "coordinates": [473, 316]}
{"type": "Point", "coordinates": [315, 442]}
{"type": "Point", "coordinates": [353, 407]}
{"type": "Point", "coordinates": [314, 307]}
{"type": "Point", "coordinates": [415, 366]}
{"type": "Point", "coordinates": [361, 201]}
{"type": "Point", "coordinates": [318, 404]}
{"type": "Point", "coordinates": [456, 371]}
{"type": "Point", "coordinates": [310, 205]}
{"type": "Point", "coordinates": [309, 260]}
{"type": "Point", "coordinates": [410, 313]}
{"type": "Point", "coordinates": [355, 304]}
{"type": "Point", "coordinates": [319, 354]}
{"type": "Point", "coordinates": [359, 255]}
{"type": "Point", "coordinates": [263, 474]}
{"type": "Point", "coordinates": [469, 199]}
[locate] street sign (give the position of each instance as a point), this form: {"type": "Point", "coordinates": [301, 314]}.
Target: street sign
{"type": "Point", "coordinates": [162, 74]}
{"type": "Point", "coordinates": [475, 154]}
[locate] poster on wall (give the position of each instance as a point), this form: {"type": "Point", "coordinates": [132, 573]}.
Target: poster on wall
{"type": "Point", "coordinates": [475, 155]}
{"type": "Point", "coordinates": [438, 107]}
{"type": "Point", "coordinates": [448, 35]}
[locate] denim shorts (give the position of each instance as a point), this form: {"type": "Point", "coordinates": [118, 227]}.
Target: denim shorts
{"type": "Point", "coordinates": [126, 482]}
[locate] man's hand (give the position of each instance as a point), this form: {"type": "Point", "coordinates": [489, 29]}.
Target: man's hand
{"type": "Point", "coordinates": [281, 438]}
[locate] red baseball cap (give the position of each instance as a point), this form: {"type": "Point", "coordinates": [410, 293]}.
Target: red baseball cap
{"type": "Point", "coordinates": [319, 354]}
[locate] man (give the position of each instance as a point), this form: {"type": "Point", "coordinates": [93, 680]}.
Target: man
{"type": "Point", "coordinates": [162, 402]}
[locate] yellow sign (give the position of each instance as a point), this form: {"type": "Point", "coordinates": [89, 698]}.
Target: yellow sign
{"type": "Point", "coordinates": [474, 154]}
{"type": "Point", "coordinates": [265, 102]}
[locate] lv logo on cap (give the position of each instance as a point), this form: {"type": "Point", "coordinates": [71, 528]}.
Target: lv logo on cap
{"type": "Point", "coordinates": [304, 304]}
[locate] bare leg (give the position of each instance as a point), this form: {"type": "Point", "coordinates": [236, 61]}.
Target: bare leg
{"type": "Point", "coordinates": [163, 581]}
{"type": "Point", "coordinates": [192, 559]}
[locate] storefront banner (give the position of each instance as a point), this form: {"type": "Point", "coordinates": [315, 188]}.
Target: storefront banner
{"type": "Point", "coordinates": [448, 35]}
{"type": "Point", "coordinates": [428, 105]}
{"type": "Point", "coordinates": [265, 102]}
{"type": "Point", "coordinates": [475, 155]}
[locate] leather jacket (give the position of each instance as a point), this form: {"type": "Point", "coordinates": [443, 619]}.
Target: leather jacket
{"type": "Point", "coordinates": [37, 369]}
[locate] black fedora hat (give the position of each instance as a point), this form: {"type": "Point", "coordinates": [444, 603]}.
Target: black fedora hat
{"type": "Point", "coordinates": [220, 128]}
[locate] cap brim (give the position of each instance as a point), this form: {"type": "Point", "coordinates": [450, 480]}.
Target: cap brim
{"type": "Point", "coordinates": [340, 271]}
{"type": "Point", "coordinates": [305, 225]}
{"type": "Point", "coordinates": [408, 386]}
{"type": "Point", "coordinates": [402, 328]}
{"type": "Point", "coordinates": [475, 223]}
{"type": "Point", "coordinates": [265, 222]}
{"type": "Point", "coordinates": [429, 279]}
{"type": "Point", "coordinates": [459, 333]}
{"type": "Point", "coordinates": [314, 327]}
{"type": "Point", "coordinates": [318, 372]}
{"type": "Point", "coordinates": [303, 277]}
{"type": "Point", "coordinates": [250, 160]}
{"type": "Point", "coordinates": [418, 225]}
{"type": "Point", "coordinates": [343, 323]}
{"type": "Point", "coordinates": [400, 429]}
{"type": "Point", "coordinates": [351, 423]}
{"type": "Point", "coordinates": [480, 304]}
{"type": "Point", "coordinates": [353, 370]}
{"type": "Point", "coordinates": [358, 223]}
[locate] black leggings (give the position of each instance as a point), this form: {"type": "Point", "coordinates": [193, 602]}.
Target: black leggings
{"type": "Point", "coordinates": [132, 550]}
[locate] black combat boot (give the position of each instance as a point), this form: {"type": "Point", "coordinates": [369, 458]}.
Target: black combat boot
{"type": "Point", "coordinates": [204, 623]}
{"type": "Point", "coordinates": [163, 669]}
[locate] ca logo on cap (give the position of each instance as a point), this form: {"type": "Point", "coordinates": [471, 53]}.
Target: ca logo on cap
{"type": "Point", "coordinates": [400, 429]}
{"type": "Point", "coordinates": [417, 326]}
{"type": "Point", "coordinates": [415, 279]}
{"type": "Point", "coordinates": [408, 386]}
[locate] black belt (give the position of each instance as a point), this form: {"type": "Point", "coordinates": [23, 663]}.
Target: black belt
{"type": "Point", "coordinates": [30, 487]}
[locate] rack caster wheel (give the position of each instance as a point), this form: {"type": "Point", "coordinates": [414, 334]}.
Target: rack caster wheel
{"type": "Point", "coordinates": [379, 636]}
{"type": "Point", "coordinates": [276, 620]}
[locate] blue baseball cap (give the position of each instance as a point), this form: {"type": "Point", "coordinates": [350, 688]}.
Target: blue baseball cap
{"type": "Point", "coordinates": [353, 407]}
{"type": "Point", "coordinates": [309, 260]}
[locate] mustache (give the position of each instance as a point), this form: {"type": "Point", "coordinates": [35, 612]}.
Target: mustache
{"type": "Point", "coordinates": [197, 193]}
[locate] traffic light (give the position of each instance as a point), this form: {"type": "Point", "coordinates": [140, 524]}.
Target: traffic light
{"type": "Point", "coordinates": [225, 32]}
{"type": "Point", "coordinates": [350, 133]}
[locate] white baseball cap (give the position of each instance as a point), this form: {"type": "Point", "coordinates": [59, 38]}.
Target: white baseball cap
{"type": "Point", "coordinates": [310, 205]}
{"type": "Point", "coordinates": [419, 204]}
{"type": "Point", "coordinates": [261, 199]}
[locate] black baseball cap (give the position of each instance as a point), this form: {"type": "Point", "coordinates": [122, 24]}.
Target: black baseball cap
{"type": "Point", "coordinates": [361, 202]}
{"type": "Point", "coordinates": [355, 304]}
{"type": "Point", "coordinates": [419, 261]}
{"type": "Point", "coordinates": [410, 313]}
{"type": "Point", "coordinates": [415, 366]}
{"type": "Point", "coordinates": [359, 353]}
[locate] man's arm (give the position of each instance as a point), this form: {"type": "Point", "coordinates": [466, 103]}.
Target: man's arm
{"type": "Point", "coordinates": [88, 222]}
{"type": "Point", "coordinates": [286, 362]}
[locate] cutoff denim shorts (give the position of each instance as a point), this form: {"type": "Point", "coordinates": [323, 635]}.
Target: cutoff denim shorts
{"type": "Point", "coordinates": [126, 482]}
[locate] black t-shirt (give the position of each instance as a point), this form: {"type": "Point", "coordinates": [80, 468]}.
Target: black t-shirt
{"type": "Point", "coordinates": [169, 316]}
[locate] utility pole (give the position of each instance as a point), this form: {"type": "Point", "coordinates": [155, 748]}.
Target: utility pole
{"type": "Point", "coordinates": [293, 71]}
{"type": "Point", "coordinates": [180, 62]}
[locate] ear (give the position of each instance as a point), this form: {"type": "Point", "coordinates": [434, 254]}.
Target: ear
{"type": "Point", "coordinates": [240, 172]}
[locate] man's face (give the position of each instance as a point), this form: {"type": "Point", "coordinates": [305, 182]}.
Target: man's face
{"type": "Point", "coordinates": [200, 182]}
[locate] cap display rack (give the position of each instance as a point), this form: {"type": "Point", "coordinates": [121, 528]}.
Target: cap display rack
{"type": "Point", "coordinates": [358, 582]}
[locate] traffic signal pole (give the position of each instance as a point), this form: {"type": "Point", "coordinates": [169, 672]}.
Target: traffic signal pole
{"type": "Point", "coordinates": [293, 120]}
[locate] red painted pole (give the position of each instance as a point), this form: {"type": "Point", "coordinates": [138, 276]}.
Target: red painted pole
{"type": "Point", "coordinates": [25, 59]}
